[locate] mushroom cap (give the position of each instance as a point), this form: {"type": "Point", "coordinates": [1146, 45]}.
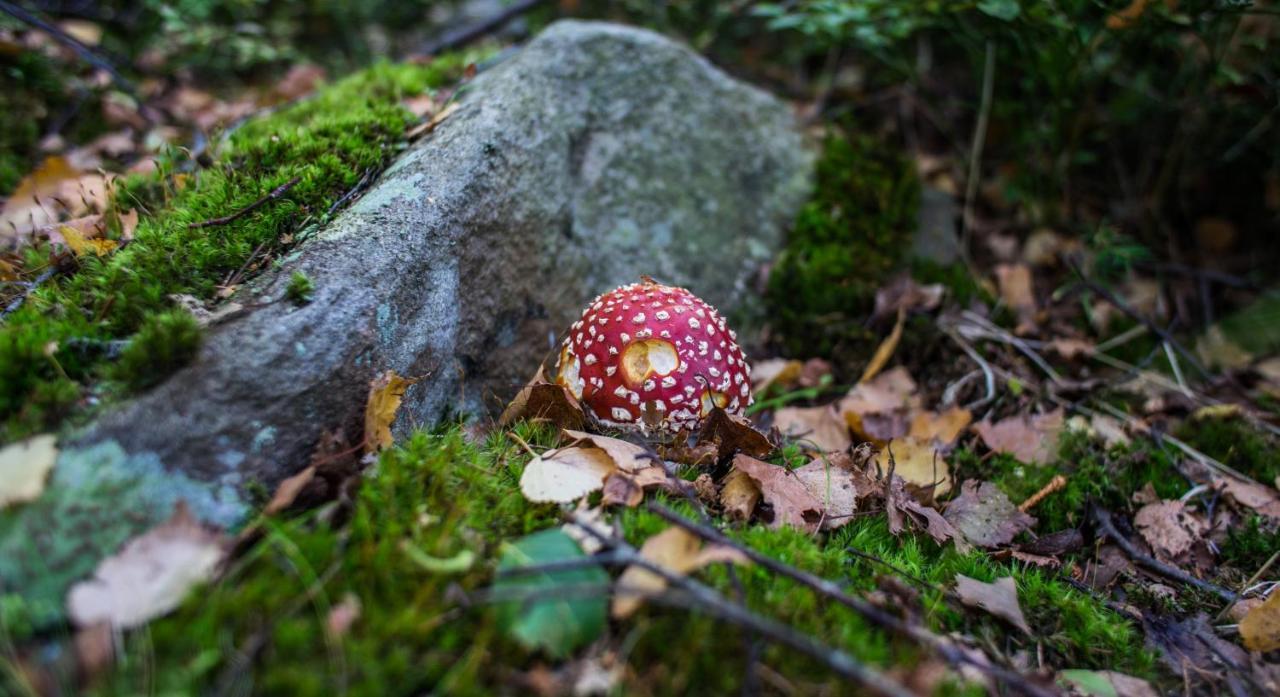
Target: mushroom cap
{"type": "Point", "coordinates": [647, 346]}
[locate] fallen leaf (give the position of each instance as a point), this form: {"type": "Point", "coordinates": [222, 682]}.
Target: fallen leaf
{"type": "Point", "coordinates": [885, 350]}
{"type": "Point", "coordinates": [1043, 247]}
{"type": "Point", "coordinates": [1016, 292]}
{"type": "Point", "coordinates": [565, 475]}
{"type": "Point", "coordinates": [674, 549]}
{"type": "Point", "coordinates": [879, 410]}
{"type": "Point", "coordinates": [24, 468]}
{"type": "Point", "coordinates": [732, 434]}
{"type": "Point", "coordinates": [775, 371]}
{"type": "Point", "coordinates": [288, 490]}
{"type": "Point", "coordinates": [819, 427]}
{"type": "Point", "coordinates": [940, 428]}
{"type": "Point", "coordinates": [420, 105]}
{"type": "Point", "coordinates": [150, 575]}
{"type": "Point", "coordinates": [84, 246]}
{"type": "Point", "coordinates": [1256, 497]}
{"type": "Point", "coordinates": [1170, 528]}
{"type": "Point", "coordinates": [780, 488]}
{"type": "Point", "coordinates": [1070, 348]}
{"type": "Point", "coordinates": [903, 294]}
{"type": "Point", "coordinates": [342, 616]}
{"type": "Point", "coordinates": [1260, 629]}
{"type": "Point", "coordinates": [919, 464]}
{"type": "Point", "coordinates": [739, 496]}
{"type": "Point", "coordinates": [385, 393]}
{"type": "Point", "coordinates": [985, 516]}
{"type": "Point", "coordinates": [838, 489]}
{"type": "Point", "coordinates": [999, 599]}
{"type": "Point", "coordinates": [1028, 438]}
{"type": "Point", "coordinates": [541, 400]}
{"type": "Point", "coordinates": [54, 191]}
{"type": "Point", "coordinates": [429, 126]}
{"type": "Point", "coordinates": [1107, 683]}
{"type": "Point", "coordinates": [901, 506]}
{"type": "Point", "coordinates": [627, 457]}
{"type": "Point", "coordinates": [621, 490]}
{"type": "Point", "coordinates": [557, 624]}
{"type": "Point", "coordinates": [1055, 543]}
{"type": "Point", "coordinates": [301, 80]}
{"type": "Point", "coordinates": [1218, 351]}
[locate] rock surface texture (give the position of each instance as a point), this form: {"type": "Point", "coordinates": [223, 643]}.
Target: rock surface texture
{"type": "Point", "coordinates": [593, 155]}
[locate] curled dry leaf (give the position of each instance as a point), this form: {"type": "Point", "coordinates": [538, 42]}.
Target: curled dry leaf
{"type": "Point", "coordinates": [985, 516]}
{"type": "Point", "coordinates": [885, 350]}
{"type": "Point", "coordinates": [288, 491]}
{"type": "Point", "coordinates": [565, 475]}
{"type": "Point", "coordinates": [1259, 498]}
{"type": "Point", "coordinates": [1260, 629]}
{"type": "Point", "coordinates": [739, 495]}
{"type": "Point", "coordinates": [1028, 438]}
{"type": "Point", "coordinates": [674, 549]}
{"type": "Point", "coordinates": [999, 599]}
{"type": "Point", "coordinates": [879, 410]}
{"type": "Point", "coordinates": [901, 507]}
{"type": "Point", "coordinates": [940, 428]}
{"type": "Point", "coordinates": [731, 434]}
{"type": "Point", "coordinates": [921, 466]}
{"type": "Point", "coordinates": [541, 400]}
{"type": "Point", "coordinates": [24, 468]}
{"type": "Point", "coordinates": [1170, 528]}
{"type": "Point", "coordinates": [791, 501]}
{"type": "Point", "coordinates": [149, 576]}
{"type": "Point", "coordinates": [819, 427]}
{"type": "Point", "coordinates": [627, 457]}
{"type": "Point", "coordinates": [385, 393]}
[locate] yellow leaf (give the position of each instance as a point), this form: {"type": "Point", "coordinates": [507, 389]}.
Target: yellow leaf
{"type": "Point", "coordinates": [924, 469]}
{"type": "Point", "coordinates": [674, 549]}
{"type": "Point", "coordinates": [1260, 629]}
{"type": "Point", "coordinates": [82, 246]}
{"type": "Point", "coordinates": [565, 475]}
{"type": "Point", "coordinates": [385, 393]}
{"type": "Point", "coordinates": [885, 350]}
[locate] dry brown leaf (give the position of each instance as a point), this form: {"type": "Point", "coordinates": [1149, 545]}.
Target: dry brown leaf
{"type": "Point", "coordinates": [24, 468]}
{"type": "Point", "coordinates": [921, 466]}
{"type": "Point", "coordinates": [1016, 292]}
{"type": "Point", "coordinates": [775, 371]}
{"type": "Point", "coordinates": [901, 507]}
{"type": "Point", "coordinates": [429, 126]}
{"type": "Point", "coordinates": [1260, 629]}
{"type": "Point", "coordinates": [885, 350]}
{"type": "Point", "coordinates": [940, 428]}
{"type": "Point", "coordinates": [1069, 348]}
{"type": "Point", "coordinates": [985, 516]}
{"type": "Point", "coordinates": [732, 434]}
{"type": "Point", "coordinates": [541, 400]}
{"type": "Point", "coordinates": [627, 457]}
{"type": "Point", "coordinates": [621, 489]}
{"type": "Point", "coordinates": [565, 475]}
{"type": "Point", "coordinates": [1170, 528]}
{"type": "Point", "coordinates": [54, 191]}
{"type": "Point", "coordinates": [301, 80]}
{"type": "Point", "coordinates": [818, 426]}
{"type": "Point", "coordinates": [288, 491]}
{"type": "Point", "coordinates": [1028, 438]}
{"type": "Point", "coordinates": [150, 575]}
{"type": "Point", "coordinates": [903, 294]}
{"type": "Point", "coordinates": [791, 501]}
{"type": "Point", "coordinates": [879, 410]}
{"type": "Point", "coordinates": [81, 245]}
{"type": "Point", "coordinates": [838, 489]}
{"type": "Point", "coordinates": [999, 599]}
{"type": "Point", "coordinates": [674, 549]}
{"type": "Point", "coordinates": [1259, 498]}
{"type": "Point", "coordinates": [385, 393]}
{"type": "Point", "coordinates": [739, 496]}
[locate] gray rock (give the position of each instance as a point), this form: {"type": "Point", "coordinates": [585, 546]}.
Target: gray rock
{"type": "Point", "coordinates": [596, 154]}
{"type": "Point", "coordinates": [935, 237]}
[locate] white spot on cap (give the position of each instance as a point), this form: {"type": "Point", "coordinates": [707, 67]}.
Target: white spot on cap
{"type": "Point", "coordinates": [591, 329]}
{"type": "Point", "coordinates": [737, 378]}
{"type": "Point", "coordinates": [609, 370]}
{"type": "Point", "coordinates": [665, 333]}
{"type": "Point", "coordinates": [677, 399]}
{"type": "Point", "coordinates": [746, 387]}
{"type": "Point", "coordinates": [718, 356]}
{"type": "Point", "coordinates": [715, 372]}
{"type": "Point", "coordinates": [589, 359]}
{"type": "Point", "coordinates": [662, 314]}
{"type": "Point", "coordinates": [620, 414]}
{"type": "Point", "coordinates": [668, 381]}
{"type": "Point", "coordinates": [694, 323]}
{"type": "Point", "coordinates": [621, 391]}
{"type": "Point", "coordinates": [644, 333]}
{"type": "Point", "coordinates": [649, 385]}
{"type": "Point", "coordinates": [679, 309]}
{"type": "Point", "coordinates": [638, 319]}
{"type": "Point", "coordinates": [625, 337]}
{"type": "Point", "coordinates": [613, 350]}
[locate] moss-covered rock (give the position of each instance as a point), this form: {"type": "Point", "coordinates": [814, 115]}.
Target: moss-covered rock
{"type": "Point", "coordinates": [855, 228]}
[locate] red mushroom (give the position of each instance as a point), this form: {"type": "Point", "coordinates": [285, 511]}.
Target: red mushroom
{"type": "Point", "coordinates": [652, 348]}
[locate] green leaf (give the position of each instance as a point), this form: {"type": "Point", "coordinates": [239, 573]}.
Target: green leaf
{"type": "Point", "coordinates": [1090, 682]}
{"type": "Point", "coordinates": [557, 624]}
{"type": "Point", "coordinates": [1000, 9]}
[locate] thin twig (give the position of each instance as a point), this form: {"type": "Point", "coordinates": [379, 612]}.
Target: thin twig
{"type": "Point", "coordinates": [1247, 584]}
{"type": "Point", "coordinates": [708, 600]}
{"type": "Point", "coordinates": [975, 152]}
{"type": "Point", "coordinates": [271, 196]}
{"type": "Point", "coordinates": [464, 35]}
{"type": "Point", "coordinates": [1103, 518]}
{"type": "Point", "coordinates": [870, 612]}
{"type": "Point", "coordinates": [28, 289]}
{"type": "Point", "coordinates": [1054, 484]}
{"type": "Point", "coordinates": [87, 54]}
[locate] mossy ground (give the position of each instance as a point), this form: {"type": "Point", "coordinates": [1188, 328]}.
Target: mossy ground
{"type": "Point", "coordinates": [327, 142]}
{"type": "Point", "coordinates": [261, 627]}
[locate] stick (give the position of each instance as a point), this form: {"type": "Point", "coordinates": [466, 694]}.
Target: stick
{"type": "Point", "coordinates": [29, 288]}
{"type": "Point", "coordinates": [87, 54]}
{"type": "Point", "coordinates": [462, 36]}
{"type": "Point", "coordinates": [867, 610]}
{"type": "Point", "coordinates": [710, 601]}
{"type": "Point", "coordinates": [1054, 484]}
{"type": "Point", "coordinates": [1108, 528]}
{"type": "Point", "coordinates": [271, 196]}
{"type": "Point", "coordinates": [975, 153]}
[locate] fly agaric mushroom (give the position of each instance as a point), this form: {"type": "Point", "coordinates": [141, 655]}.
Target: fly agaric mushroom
{"type": "Point", "coordinates": [648, 355]}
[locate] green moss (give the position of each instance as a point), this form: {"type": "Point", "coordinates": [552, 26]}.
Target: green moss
{"type": "Point", "coordinates": [1250, 545]}
{"type": "Point", "coordinates": [441, 496]}
{"type": "Point", "coordinates": [1108, 476]}
{"type": "Point", "coordinates": [166, 342]}
{"type": "Point", "coordinates": [300, 288]}
{"type": "Point", "coordinates": [852, 232]}
{"type": "Point", "coordinates": [1235, 443]}
{"type": "Point", "coordinates": [326, 142]}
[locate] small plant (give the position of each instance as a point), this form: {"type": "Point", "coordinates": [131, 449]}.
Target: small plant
{"type": "Point", "coordinates": [301, 289]}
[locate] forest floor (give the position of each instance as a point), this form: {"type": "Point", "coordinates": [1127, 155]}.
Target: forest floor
{"type": "Point", "coordinates": [1015, 469]}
